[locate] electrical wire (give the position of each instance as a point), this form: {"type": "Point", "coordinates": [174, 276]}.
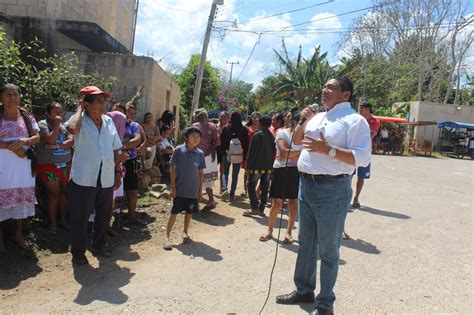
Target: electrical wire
{"type": "Point", "coordinates": [335, 30]}
{"type": "Point", "coordinates": [315, 20]}
{"type": "Point", "coordinates": [251, 53]}
{"type": "Point", "coordinates": [341, 14]}
{"type": "Point", "coordinates": [290, 11]}
{"type": "Point", "coordinates": [191, 38]}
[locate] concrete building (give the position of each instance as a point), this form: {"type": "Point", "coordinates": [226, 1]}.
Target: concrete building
{"type": "Point", "coordinates": [161, 92]}
{"type": "Point", "coordinates": [428, 111]}
{"type": "Point", "coordinates": [101, 33]}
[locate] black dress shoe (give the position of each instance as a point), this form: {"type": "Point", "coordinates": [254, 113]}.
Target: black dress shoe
{"type": "Point", "coordinates": [104, 253]}
{"type": "Point", "coordinates": [79, 260]}
{"type": "Point", "coordinates": [322, 311]}
{"type": "Point", "coordinates": [295, 297]}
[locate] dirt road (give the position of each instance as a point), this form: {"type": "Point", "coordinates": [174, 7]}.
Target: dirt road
{"type": "Point", "coordinates": [411, 252]}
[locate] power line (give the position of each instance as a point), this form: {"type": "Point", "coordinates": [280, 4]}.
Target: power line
{"type": "Point", "coordinates": [290, 11]}
{"type": "Point", "coordinates": [334, 30]}
{"type": "Point", "coordinates": [312, 21]}
{"type": "Point", "coordinates": [251, 53]}
{"type": "Point", "coordinates": [193, 37]}
{"type": "Point", "coordinates": [340, 14]}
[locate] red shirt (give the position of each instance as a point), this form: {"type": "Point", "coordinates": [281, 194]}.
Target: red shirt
{"type": "Point", "coordinates": [374, 126]}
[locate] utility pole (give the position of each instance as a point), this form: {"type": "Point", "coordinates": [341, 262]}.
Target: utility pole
{"type": "Point", "coordinates": [198, 83]}
{"type": "Point", "coordinates": [230, 79]}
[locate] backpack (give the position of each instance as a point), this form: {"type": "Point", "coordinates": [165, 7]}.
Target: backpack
{"type": "Point", "coordinates": [235, 154]}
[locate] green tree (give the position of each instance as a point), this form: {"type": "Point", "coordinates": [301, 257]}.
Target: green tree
{"type": "Point", "coordinates": [210, 84]}
{"type": "Point", "coordinates": [44, 79]}
{"type": "Point", "coordinates": [300, 81]}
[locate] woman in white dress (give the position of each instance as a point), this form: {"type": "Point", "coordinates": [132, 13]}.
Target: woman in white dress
{"type": "Point", "coordinates": [18, 132]}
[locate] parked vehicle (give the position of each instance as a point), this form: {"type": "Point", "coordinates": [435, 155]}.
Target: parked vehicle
{"type": "Point", "coordinates": [455, 139]}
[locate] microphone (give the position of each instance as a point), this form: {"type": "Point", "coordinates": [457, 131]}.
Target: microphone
{"type": "Point", "coordinates": [314, 108]}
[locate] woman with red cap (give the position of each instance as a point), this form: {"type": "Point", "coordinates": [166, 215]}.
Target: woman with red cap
{"type": "Point", "coordinates": [95, 172]}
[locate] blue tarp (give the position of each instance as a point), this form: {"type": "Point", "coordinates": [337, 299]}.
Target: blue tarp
{"type": "Point", "coordinates": [455, 125]}
{"type": "Point", "coordinates": [214, 113]}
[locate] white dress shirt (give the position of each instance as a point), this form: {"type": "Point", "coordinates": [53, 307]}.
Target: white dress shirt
{"type": "Point", "coordinates": [343, 128]}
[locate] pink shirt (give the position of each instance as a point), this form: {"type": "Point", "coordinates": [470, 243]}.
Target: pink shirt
{"type": "Point", "coordinates": [208, 136]}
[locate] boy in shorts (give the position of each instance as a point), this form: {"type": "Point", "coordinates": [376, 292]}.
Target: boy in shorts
{"type": "Point", "coordinates": [187, 165]}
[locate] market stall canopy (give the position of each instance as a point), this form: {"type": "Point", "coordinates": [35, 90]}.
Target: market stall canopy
{"type": "Point", "coordinates": [390, 120]}
{"type": "Point", "coordinates": [455, 125]}
{"type": "Point", "coordinates": [420, 123]}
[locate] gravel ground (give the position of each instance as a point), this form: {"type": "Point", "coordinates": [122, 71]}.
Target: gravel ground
{"type": "Point", "coordinates": [411, 252]}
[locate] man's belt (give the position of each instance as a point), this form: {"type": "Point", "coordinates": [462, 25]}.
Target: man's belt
{"type": "Point", "coordinates": [323, 176]}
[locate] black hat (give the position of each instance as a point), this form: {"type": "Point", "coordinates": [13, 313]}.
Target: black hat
{"type": "Point", "coordinates": [366, 104]}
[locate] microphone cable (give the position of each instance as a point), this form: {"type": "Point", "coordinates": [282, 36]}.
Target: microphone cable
{"type": "Point", "coordinates": [279, 227]}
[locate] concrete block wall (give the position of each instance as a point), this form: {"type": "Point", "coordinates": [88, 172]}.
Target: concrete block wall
{"type": "Point", "coordinates": [131, 73]}
{"type": "Point", "coordinates": [116, 17]}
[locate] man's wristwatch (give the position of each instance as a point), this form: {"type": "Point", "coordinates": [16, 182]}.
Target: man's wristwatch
{"type": "Point", "coordinates": [332, 152]}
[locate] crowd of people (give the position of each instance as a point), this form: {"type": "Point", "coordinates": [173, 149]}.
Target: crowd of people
{"type": "Point", "coordinates": [303, 161]}
{"type": "Point", "coordinates": [58, 158]}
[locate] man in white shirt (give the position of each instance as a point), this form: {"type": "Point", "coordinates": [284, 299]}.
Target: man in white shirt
{"type": "Point", "coordinates": [335, 143]}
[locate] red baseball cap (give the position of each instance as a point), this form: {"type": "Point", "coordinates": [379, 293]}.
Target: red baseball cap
{"type": "Point", "coordinates": [93, 90]}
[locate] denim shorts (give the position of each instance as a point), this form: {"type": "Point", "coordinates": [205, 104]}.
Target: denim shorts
{"type": "Point", "coordinates": [363, 172]}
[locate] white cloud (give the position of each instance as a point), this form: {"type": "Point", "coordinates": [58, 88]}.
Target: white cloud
{"type": "Point", "coordinates": [174, 36]}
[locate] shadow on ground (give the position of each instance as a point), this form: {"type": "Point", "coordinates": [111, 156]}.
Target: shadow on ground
{"type": "Point", "coordinates": [384, 213]}
{"type": "Point", "coordinates": [199, 249]}
{"type": "Point", "coordinates": [17, 265]}
{"type": "Point", "coordinates": [102, 283]}
{"type": "Point", "coordinates": [361, 245]}
{"type": "Point", "coordinates": [213, 218]}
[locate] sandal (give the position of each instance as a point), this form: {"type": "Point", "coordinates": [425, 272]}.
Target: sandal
{"type": "Point", "coordinates": [265, 237]}
{"type": "Point", "coordinates": [249, 213]}
{"type": "Point", "coordinates": [52, 229]}
{"type": "Point", "coordinates": [211, 205]}
{"type": "Point", "coordinates": [288, 240]}
{"type": "Point", "coordinates": [356, 205]}
{"type": "Point", "coordinates": [186, 239]}
{"type": "Point", "coordinates": [138, 222]}
{"type": "Point", "coordinates": [168, 245]}
{"type": "Point", "coordinates": [345, 236]}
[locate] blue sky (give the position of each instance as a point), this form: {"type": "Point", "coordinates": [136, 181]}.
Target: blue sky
{"type": "Point", "coordinates": [172, 30]}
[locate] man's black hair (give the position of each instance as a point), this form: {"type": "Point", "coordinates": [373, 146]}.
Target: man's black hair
{"type": "Point", "coordinates": [367, 105]}
{"type": "Point", "coordinates": [265, 121]}
{"type": "Point", "coordinates": [345, 84]}
{"type": "Point", "coordinates": [189, 130]}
